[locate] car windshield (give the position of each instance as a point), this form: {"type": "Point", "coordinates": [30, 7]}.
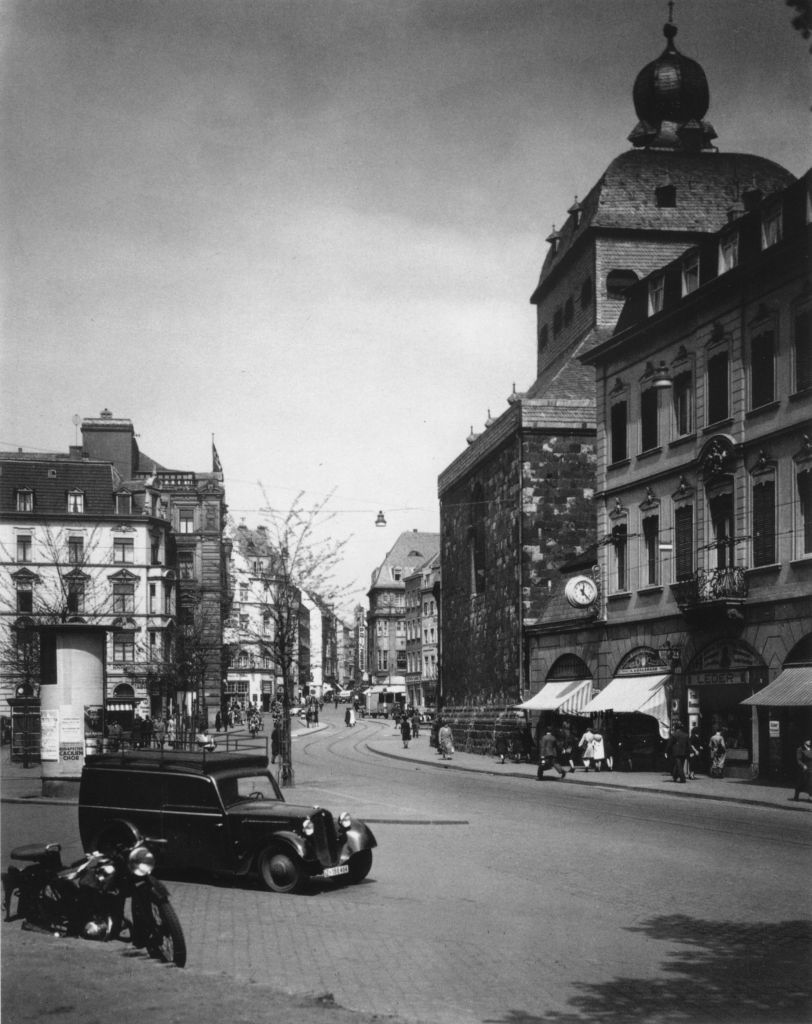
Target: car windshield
{"type": "Point", "coordinates": [236, 788]}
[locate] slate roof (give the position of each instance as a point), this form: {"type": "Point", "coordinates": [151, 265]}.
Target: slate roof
{"type": "Point", "coordinates": [410, 550]}
{"type": "Point", "coordinates": [50, 477]}
{"type": "Point", "coordinates": [624, 198]}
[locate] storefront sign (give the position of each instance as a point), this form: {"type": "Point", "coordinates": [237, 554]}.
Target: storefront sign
{"type": "Point", "coordinates": [49, 737]}
{"type": "Point", "coordinates": [775, 729]}
{"type": "Point", "coordinates": [71, 751]}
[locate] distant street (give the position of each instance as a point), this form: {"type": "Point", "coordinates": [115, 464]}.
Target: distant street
{"type": "Point", "coordinates": [504, 900]}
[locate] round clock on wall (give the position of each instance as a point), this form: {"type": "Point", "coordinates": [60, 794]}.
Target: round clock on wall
{"type": "Point", "coordinates": [581, 591]}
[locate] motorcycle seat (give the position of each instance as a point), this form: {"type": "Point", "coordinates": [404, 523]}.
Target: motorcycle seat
{"type": "Point", "coordinates": [38, 852]}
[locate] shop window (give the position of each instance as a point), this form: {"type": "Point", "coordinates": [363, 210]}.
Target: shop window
{"type": "Point", "coordinates": [762, 370]}
{"type": "Point", "coordinates": [649, 416]}
{"type": "Point", "coordinates": [718, 388]}
{"type": "Point", "coordinates": [618, 425]}
{"type": "Point", "coordinates": [764, 522]}
{"type": "Point", "coordinates": [684, 542]}
{"type": "Point", "coordinates": [25, 501]}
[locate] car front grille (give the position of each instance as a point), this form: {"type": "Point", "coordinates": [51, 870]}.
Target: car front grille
{"type": "Point", "coordinates": [325, 840]}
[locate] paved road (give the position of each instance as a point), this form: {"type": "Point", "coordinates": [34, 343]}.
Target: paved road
{"type": "Point", "coordinates": [504, 900]}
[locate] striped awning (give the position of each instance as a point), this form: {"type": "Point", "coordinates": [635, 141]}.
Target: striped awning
{"type": "Point", "coordinates": [644, 695]}
{"type": "Point", "coordinates": [125, 704]}
{"type": "Point", "coordinates": [567, 697]}
{"type": "Point", "coordinates": [791, 688]}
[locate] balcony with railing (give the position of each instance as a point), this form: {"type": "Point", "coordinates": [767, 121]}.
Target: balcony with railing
{"type": "Point", "coordinates": [723, 589]}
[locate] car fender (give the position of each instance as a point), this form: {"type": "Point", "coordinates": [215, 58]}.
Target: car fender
{"type": "Point", "coordinates": [286, 841]}
{"type": "Point", "coordinates": [114, 831]}
{"type": "Point", "coordinates": [359, 837]}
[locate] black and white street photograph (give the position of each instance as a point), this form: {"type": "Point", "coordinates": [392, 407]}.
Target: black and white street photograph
{"type": "Point", "coordinates": [405, 491]}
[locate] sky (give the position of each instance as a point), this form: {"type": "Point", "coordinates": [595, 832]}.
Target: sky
{"type": "Point", "coordinates": [311, 228]}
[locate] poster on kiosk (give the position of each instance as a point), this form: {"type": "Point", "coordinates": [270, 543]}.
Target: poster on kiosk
{"type": "Point", "coordinates": [72, 680]}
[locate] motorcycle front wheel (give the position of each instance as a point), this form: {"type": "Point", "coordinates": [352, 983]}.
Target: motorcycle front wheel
{"type": "Point", "coordinates": [155, 919]}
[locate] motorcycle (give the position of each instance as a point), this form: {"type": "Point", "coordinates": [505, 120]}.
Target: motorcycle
{"type": "Point", "coordinates": [88, 898]}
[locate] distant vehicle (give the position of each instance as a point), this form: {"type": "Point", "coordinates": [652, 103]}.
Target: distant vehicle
{"type": "Point", "coordinates": [343, 696]}
{"type": "Point", "coordinates": [379, 701]}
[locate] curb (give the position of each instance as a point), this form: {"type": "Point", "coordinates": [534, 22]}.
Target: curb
{"type": "Point", "coordinates": [681, 794]}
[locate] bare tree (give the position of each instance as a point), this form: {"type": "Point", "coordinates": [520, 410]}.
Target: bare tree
{"type": "Point", "coordinates": [302, 559]}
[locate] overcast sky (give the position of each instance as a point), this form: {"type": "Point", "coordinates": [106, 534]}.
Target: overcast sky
{"type": "Point", "coordinates": [312, 228]}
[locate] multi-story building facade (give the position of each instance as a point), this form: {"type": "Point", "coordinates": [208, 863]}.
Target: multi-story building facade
{"type": "Point", "coordinates": [518, 504]}
{"type": "Point", "coordinates": [80, 544]}
{"type": "Point", "coordinates": [430, 632]}
{"type": "Point", "coordinates": [361, 662]}
{"type": "Point", "coordinates": [704, 497]}
{"type": "Point", "coordinates": [194, 504]}
{"type": "Point", "coordinates": [386, 621]}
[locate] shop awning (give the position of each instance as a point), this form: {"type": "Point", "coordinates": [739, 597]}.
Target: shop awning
{"type": "Point", "coordinates": [643, 695]}
{"type": "Point", "coordinates": [568, 697]}
{"type": "Point", "coordinates": [791, 688]}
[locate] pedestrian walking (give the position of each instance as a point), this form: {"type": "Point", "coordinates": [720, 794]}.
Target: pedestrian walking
{"type": "Point", "coordinates": [677, 750]}
{"type": "Point", "coordinates": [171, 732]}
{"type": "Point", "coordinates": [159, 732]}
{"type": "Point", "coordinates": [566, 750]}
{"type": "Point", "coordinates": [218, 722]}
{"type": "Point", "coordinates": [718, 753]}
{"type": "Point", "coordinates": [803, 761]}
{"type": "Point", "coordinates": [548, 755]}
{"type": "Point", "coordinates": [587, 748]}
{"type": "Point", "coordinates": [352, 717]}
{"type": "Point", "coordinates": [694, 746]}
{"type": "Point", "coordinates": [405, 731]}
{"type": "Point", "coordinates": [445, 741]}
{"type": "Point", "coordinates": [598, 750]}
{"type": "Point", "coordinates": [138, 732]}
{"type": "Point", "coordinates": [609, 749]}
{"type": "Point", "coordinates": [415, 725]}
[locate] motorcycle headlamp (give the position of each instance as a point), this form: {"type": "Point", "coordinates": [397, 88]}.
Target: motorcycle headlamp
{"type": "Point", "coordinates": [141, 861]}
{"type": "Point", "coordinates": [344, 819]}
{"type": "Point", "coordinates": [308, 827]}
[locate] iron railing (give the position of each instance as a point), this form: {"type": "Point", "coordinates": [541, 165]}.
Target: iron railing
{"type": "Point", "coordinates": [709, 585]}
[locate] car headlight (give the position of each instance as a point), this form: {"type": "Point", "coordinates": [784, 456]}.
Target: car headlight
{"type": "Point", "coordinates": [141, 861]}
{"type": "Point", "coordinates": [308, 827]}
{"type": "Point", "coordinates": [344, 819]}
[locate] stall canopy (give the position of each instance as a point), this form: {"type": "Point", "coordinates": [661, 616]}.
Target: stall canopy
{"type": "Point", "coordinates": [643, 695]}
{"type": "Point", "coordinates": [792, 688]}
{"type": "Point", "coordinates": [567, 697]}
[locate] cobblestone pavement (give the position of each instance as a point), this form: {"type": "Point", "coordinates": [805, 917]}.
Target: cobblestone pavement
{"type": "Point", "coordinates": [493, 898]}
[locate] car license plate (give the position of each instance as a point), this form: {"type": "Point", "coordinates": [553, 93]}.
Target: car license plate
{"type": "Point", "coordinates": [342, 869]}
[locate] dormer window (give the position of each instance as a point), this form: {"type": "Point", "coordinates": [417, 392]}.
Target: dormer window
{"type": "Point", "coordinates": [397, 574]}
{"type": "Point", "coordinates": [25, 501]}
{"type": "Point", "coordinates": [771, 227]}
{"type": "Point", "coordinates": [76, 502]}
{"type": "Point", "coordinates": [690, 273]}
{"type": "Point", "coordinates": [124, 503]}
{"type": "Point", "coordinates": [656, 294]}
{"type": "Point", "coordinates": [666, 195]}
{"type": "Point", "coordinates": [728, 252]}
{"type": "Point", "coordinates": [618, 282]}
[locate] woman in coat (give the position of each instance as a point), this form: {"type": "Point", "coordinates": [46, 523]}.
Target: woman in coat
{"type": "Point", "coordinates": [445, 741]}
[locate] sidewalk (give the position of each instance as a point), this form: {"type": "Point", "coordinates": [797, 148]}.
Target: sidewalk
{"type": "Point", "coordinates": [18, 783]}
{"type": "Point", "coordinates": [756, 792]}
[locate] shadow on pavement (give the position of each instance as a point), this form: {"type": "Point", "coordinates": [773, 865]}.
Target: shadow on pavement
{"type": "Point", "coordinates": [724, 971]}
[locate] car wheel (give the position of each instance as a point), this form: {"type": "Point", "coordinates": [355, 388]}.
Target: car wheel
{"type": "Point", "coordinates": [281, 871]}
{"type": "Point", "coordinates": [360, 866]}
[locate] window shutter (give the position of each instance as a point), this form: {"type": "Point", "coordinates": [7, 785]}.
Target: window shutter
{"type": "Point", "coordinates": [764, 523]}
{"type": "Point", "coordinates": [684, 540]}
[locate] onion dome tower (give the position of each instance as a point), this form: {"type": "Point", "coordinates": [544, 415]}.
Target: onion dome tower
{"type": "Point", "coordinates": [671, 99]}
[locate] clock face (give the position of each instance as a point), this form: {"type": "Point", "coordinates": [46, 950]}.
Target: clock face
{"type": "Point", "coordinates": [581, 591]}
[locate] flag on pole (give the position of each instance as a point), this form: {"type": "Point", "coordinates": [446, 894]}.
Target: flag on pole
{"type": "Point", "coordinates": [216, 465]}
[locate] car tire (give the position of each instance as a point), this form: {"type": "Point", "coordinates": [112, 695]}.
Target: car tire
{"type": "Point", "coordinates": [360, 865]}
{"type": "Point", "coordinates": [281, 871]}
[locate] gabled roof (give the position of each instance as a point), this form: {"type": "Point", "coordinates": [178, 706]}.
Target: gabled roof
{"type": "Point", "coordinates": [410, 550]}
{"type": "Point", "coordinates": [51, 478]}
